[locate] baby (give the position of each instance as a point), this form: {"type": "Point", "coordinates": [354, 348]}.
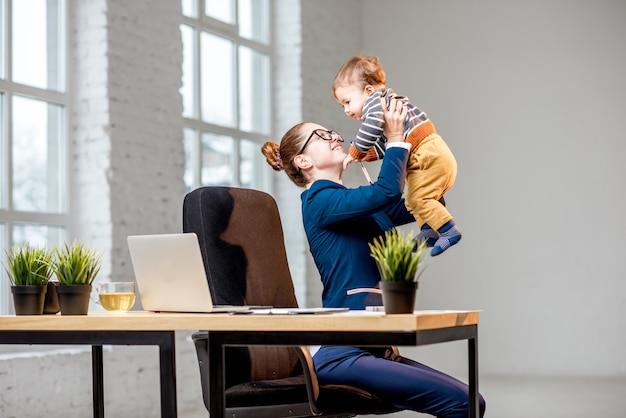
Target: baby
{"type": "Point", "coordinates": [431, 170]}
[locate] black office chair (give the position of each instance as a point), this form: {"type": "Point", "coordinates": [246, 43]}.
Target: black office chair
{"type": "Point", "coordinates": [244, 255]}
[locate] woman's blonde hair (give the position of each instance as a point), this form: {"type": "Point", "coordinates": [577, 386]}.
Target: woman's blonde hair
{"type": "Point", "coordinates": [360, 71]}
{"type": "Point", "coordinates": [280, 157]}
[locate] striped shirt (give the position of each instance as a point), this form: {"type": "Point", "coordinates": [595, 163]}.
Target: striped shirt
{"type": "Point", "coordinates": [370, 135]}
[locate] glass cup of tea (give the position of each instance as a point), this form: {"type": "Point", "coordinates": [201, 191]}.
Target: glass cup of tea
{"type": "Point", "coordinates": [116, 297]}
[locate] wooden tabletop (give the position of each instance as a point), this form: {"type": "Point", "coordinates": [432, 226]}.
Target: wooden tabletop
{"type": "Point", "coordinates": [148, 321]}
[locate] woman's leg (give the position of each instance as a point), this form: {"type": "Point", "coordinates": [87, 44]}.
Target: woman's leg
{"type": "Point", "coordinates": [404, 382]}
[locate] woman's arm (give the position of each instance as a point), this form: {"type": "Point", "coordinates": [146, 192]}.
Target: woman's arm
{"type": "Point", "coordinates": [394, 131]}
{"type": "Point", "coordinates": [328, 203]}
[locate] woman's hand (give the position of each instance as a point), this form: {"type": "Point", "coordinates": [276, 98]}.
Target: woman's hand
{"type": "Point", "coordinates": [394, 120]}
{"type": "Point", "coordinates": [347, 161]}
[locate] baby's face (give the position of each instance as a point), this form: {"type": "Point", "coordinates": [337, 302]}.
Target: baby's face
{"type": "Point", "coordinates": [352, 99]}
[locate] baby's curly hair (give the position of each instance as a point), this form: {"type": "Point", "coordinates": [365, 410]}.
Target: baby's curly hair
{"type": "Point", "coordinates": [280, 157]}
{"type": "Point", "coordinates": [360, 71]}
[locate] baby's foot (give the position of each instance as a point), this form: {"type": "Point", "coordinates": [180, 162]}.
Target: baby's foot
{"type": "Point", "coordinates": [447, 239]}
{"type": "Point", "coordinates": [428, 234]}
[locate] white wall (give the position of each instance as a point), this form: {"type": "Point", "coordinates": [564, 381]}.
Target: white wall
{"type": "Point", "coordinates": [531, 98]}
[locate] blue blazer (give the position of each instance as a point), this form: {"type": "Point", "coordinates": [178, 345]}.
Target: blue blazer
{"type": "Point", "coordinates": [340, 222]}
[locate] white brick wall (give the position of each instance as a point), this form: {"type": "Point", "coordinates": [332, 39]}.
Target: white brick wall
{"type": "Point", "coordinates": [127, 142]}
{"type": "Point", "coordinates": [127, 156]}
{"type": "Point", "coordinates": [128, 160]}
{"type": "Point", "coordinates": [147, 154]}
{"type": "Point", "coordinates": [57, 383]}
{"type": "Point", "coordinates": [90, 126]}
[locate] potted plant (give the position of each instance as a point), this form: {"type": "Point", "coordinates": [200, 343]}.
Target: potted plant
{"type": "Point", "coordinates": [29, 270]}
{"type": "Point", "coordinates": [75, 267]}
{"type": "Point", "coordinates": [398, 258]}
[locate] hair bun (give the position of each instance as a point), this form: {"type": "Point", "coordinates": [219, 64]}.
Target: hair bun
{"type": "Point", "coordinates": [279, 161]}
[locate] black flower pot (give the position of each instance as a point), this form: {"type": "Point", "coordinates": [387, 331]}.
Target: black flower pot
{"type": "Point", "coordinates": [51, 302]}
{"type": "Point", "coordinates": [74, 299]}
{"type": "Point", "coordinates": [28, 300]}
{"type": "Point", "coordinates": [398, 297]}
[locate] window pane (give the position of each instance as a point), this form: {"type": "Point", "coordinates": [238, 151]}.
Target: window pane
{"type": "Point", "coordinates": [37, 43]}
{"type": "Point", "coordinates": [220, 9]}
{"type": "Point", "coordinates": [188, 88]}
{"type": "Point", "coordinates": [3, 157]}
{"type": "Point", "coordinates": [254, 91]}
{"type": "Point", "coordinates": [4, 280]}
{"type": "Point", "coordinates": [2, 37]}
{"type": "Point", "coordinates": [191, 165]}
{"type": "Point", "coordinates": [217, 160]}
{"type": "Point", "coordinates": [190, 8]}
{"type": "Point", "coordinates": [39, 235]}
{"type": "Point", "coordinates": [254, 20]}
{"type": "Point", "coordinates": [217, 72]}
{"type": "Point", "coordinates": [252, 165]}
{"type": "Point", "coordinates": [38, 156]}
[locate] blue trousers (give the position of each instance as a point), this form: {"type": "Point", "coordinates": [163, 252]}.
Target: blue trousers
{"type": "Point", "coordinates": [403, 382]}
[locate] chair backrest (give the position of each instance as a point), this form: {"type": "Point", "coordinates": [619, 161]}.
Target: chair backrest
{"type": "Point", "coordinates": [243, 249]}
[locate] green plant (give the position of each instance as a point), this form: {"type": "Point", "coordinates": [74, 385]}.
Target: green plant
{"type": "Point", "coordinates": [397, 256]}
{"type": "Point", "coordinates": [28, 265]}
{"type": "Point", "coordinates": [75, 265]}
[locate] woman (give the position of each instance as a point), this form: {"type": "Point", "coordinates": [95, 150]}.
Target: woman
{"type": "Point", "coordinates": [339, 223]}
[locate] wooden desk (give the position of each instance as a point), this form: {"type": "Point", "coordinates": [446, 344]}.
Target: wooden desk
{"type": "Point", "coordinates": [144, 328]}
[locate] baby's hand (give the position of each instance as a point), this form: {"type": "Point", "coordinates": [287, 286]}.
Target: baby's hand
{"type": "Point", "coordinates": [347, 161]}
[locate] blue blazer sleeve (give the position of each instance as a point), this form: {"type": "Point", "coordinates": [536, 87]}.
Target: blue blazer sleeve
{"type": "Point", "coordinates": [399, 214]}
{"type": "Point", "coordinates": [330, 203]}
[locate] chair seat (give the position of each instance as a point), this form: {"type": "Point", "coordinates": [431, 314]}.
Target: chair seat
{"type": "Point", "coordinates": [267, 392]}
{"type": "Point", "coordinates": [332, 398]}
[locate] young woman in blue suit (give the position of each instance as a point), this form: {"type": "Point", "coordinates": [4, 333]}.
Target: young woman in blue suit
{"type": "Point", "coordinates": [339, 223]}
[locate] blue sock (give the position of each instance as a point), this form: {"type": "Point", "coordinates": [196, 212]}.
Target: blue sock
{"type": "Point", "coordinates": [449, 234]}
{"type": "Point", "coordinates": [428, 234]}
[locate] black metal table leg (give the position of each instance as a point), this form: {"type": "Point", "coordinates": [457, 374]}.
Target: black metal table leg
{"type": "Point", "coordinates": [97, 378]}
{"type": "Point", "coordinates": [473, 376]}
{"type": "Point", "coordinates": [215, 349]}
{"type": "Point", "coordinates": [167, 365]}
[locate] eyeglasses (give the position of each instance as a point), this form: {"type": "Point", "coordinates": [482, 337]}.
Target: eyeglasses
{"type": "Point", "coordinates": [324, 135]}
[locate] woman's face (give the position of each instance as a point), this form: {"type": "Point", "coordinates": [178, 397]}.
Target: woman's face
{"type": "Point", "coordinates": [323, 148]}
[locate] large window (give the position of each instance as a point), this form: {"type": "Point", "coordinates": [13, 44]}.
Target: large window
{"type": "Point", "coordinates": [226, 91]}
{"type": "Point", "coordinates": [33, 135]}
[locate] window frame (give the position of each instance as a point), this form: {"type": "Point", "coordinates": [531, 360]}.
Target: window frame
{"type": "Point", "coordinates": [9, 217]}
{"type": "Point", "coordinates": [196, 125]}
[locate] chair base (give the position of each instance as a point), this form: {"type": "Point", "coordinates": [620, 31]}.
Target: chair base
{"type": "Point", "coordinates": [288, 397]}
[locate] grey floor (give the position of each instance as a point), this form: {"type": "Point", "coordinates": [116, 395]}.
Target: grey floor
{"type": "Point", "coordinates": [514, 397]}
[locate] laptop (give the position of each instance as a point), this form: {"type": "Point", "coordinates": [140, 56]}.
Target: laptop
{"type": "Point", "coordinates": [170, 274]}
